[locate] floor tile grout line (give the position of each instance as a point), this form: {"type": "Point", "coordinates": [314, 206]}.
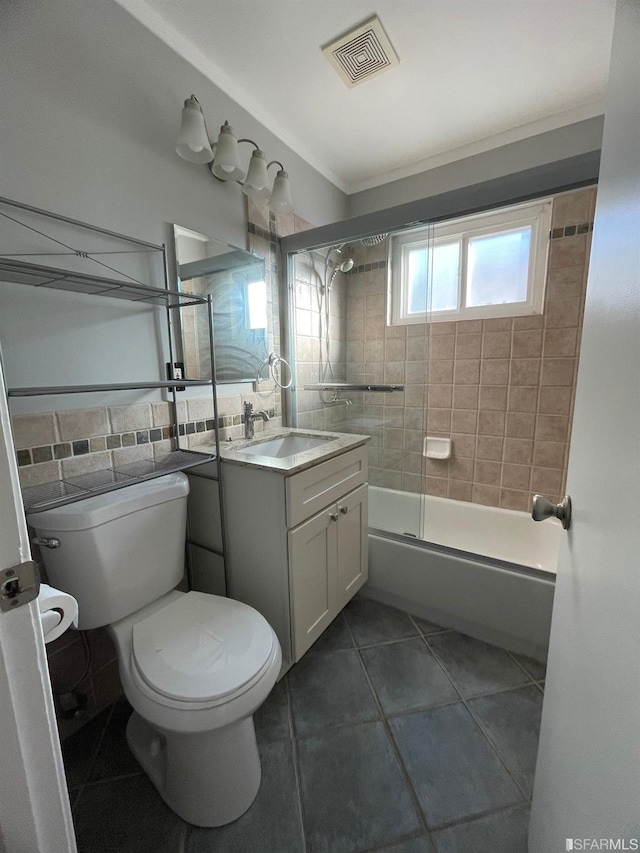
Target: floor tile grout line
{"type": "Point", "coordinates": [396, 751]}
{"type": "Point", "coordinates": [477, 722]}
{"type": "Point", "coordinates": [94, 758]}
{"type": "Point", "coordinates": [522, 666]}
{"type": "Point", "coordinates": [522, 804]}
{"type": "Point", "coordinates": [296, 769]}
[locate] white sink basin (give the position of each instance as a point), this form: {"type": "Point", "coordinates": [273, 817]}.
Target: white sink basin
{"type": "Point", "coordinates": [287, 445]}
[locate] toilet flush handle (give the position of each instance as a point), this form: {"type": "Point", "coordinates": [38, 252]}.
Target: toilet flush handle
{"type": "Point", "coordinates": [542, 509]}
{"type": "Point", "coordinates": [48, 542]}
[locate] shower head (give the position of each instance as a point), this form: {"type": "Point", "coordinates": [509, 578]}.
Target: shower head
{"type": "Point", "coordinates": [345, 266]}
{"type": "Point", "coordinates": [373, 240]}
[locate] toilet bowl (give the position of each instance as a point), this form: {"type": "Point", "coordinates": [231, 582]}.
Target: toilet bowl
{"type": "Point", "coordinates": [194, 666]}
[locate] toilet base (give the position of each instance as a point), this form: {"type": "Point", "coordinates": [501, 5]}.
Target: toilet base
{"type": "Point", "coordinates": [207, 779]}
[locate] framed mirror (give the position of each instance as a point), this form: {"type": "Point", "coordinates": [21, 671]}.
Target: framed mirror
{"type": "Point", "coordinates": [235, 280]}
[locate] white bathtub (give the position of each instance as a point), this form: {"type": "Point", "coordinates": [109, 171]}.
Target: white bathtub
{"type": "Point", "coordinates": [502, 534]}
{"type": "Point", "coordinates": [487, 572]}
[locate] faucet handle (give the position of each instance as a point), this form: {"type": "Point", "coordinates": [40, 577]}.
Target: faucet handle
{"type": "Point", "coordinates": [248, 408]}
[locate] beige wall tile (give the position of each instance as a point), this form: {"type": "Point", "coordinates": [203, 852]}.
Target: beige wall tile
{"type": "Point", "coordinates": [517, 500]}
{"type": "Point", "coordinates": [464, 420]}
{"type": "Point", "coordinates": [566, 282]}
{"type": "Point", "coordinates": [373, 351]}
{"type": "Point", "coordinates": [86, 464]}
{"type": "Point", "coordinates": [34, 430]}
{"type": "Point", "coordinates": [436, 467]}
{"type": "Point", "coordinates": [495, 371]}
{"type": "Point", "coordinates": [530, 321]}
{"type": "Point", "coordinates": [558, 371]}
{"type": "Point", "coordinates": [516, 476]}
{"type": "Point", "coordinates": [527, 344]}
{"type": "Point", "coordinates": [446, 328]}
{"type": "Point", "coordinates": [465, 327]}
{"type": "Point", "coordinates": [82, 423]}
{"type": "Point", "coordinates": [571, 208]}
{"type": "Point", "coordinates": [37, 475]}
{"type": "Point", "coordinates": [518, 450]}
{"type": "Point", "coordinates": [460, 490]}
{"type": "Point", "coordinates": [525, 371]}
{"type": "Point", "coordinates": [440, 396]}
{"type": "Point", "coordinates": [441, 373]}
{"type": "Point", "coordinates": [466, 372]}
{"type": "Point", "coordinates": [546, 481]}
{"type": "Point", "coordinates": [395, 349]}
{"type": "Point", "coordinates": [491, 423]}
{"type": "Point", "coordinates": [468, 346]}
{"type": "Point", "coordinates": [439, 420]}
{"type": "Point", "coordinates": [125, 455]}
{"type": "Point", "coordinates": [416, 349]}
{"type": "Point", "coordinates": [128, 418]}
{"type": "Point", "coordinates": [563, 312]}
{"type": "Point", "coordinates": [461, 468]}
{"type": "Point", "coordinates": [560, 343]}
{"type": "Point", "coordinates": [552, 428]}
{"type": "Point", "coordinates": [493, 398]}
{"type": "Point", "coordinates": [436, 486]}
{"type": "Point", "coordinates": [496, 345]}
{"type": "Point", "coordinates": [555, 400]}
{"type": "Point", "coordinates": [497, 324]}
{"type": "Point", "coordinates": [465, 396]}
{"type": "Point", "coordinates": [520, 424]}
{"type": "Point", "coordinates": [523, 398]}
{"type": "Point", "coordinates": [486, 495]}
{"type": "Point", "coordinates": [567, 251]}
{"type": "Point", "coordinates": [373, 328]}
{"type": "Point", "coordinates": [202, 409]}
{"type": "Point", "coordinates": [442, 347]}
{"type": "Point", "coordinates": [463, 444]}
{"type": "Point", "coordinates": [549, 454]}
{"type": "Point", "coordinates": [489, 447]}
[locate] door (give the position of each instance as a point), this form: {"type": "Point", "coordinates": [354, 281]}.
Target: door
{"type": "Point", "coordinates": [353, 539]}
{"type": "Point", "coordinates": [34, 806]}
{"type": "Point", "coordinates": [588, 774]}
{"type": "Point", "coordinates": [312, 570]}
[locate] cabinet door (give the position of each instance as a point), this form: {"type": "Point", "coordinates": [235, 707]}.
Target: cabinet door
{"type": "Point", "coordinates": [312, 572]}
{"type": "Point", "coordinates": [353, 540]}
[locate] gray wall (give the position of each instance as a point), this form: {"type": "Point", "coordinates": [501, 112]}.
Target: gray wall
{"type": "Point", "coordinates": [90, 109]}
{"type": "Point", "coordinates": [550, 147]}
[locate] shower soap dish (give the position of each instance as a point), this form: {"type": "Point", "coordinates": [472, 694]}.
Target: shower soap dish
{"type": "Point", "coordinates": [436, 447]}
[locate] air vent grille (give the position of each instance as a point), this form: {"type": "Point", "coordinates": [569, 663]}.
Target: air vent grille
{"type": "Point", "coordinates": [362, 53]}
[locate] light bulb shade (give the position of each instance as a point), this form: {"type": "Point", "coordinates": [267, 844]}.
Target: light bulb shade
{"type": "Point", "coordinates": [255, 184]}
{"type": "Point", "coordinates": [193, 143]}
{"type": "Point", "coordinates": [280, 201]}
{"type": "Point", "coordinates": [226, 163]}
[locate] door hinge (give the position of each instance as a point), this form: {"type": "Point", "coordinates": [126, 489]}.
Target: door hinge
{"type": "Point", "coordinates": [19, 585]}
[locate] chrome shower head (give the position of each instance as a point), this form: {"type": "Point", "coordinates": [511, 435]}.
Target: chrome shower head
{"type": "Point", "coordinates": [345, 266]}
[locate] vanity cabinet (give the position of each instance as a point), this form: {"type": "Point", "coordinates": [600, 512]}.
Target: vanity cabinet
{"type": "Point", "coordinates": [297, 543]}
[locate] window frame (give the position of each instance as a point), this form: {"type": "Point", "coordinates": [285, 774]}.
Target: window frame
{"type": "Point", "coordinates": [536, 215]}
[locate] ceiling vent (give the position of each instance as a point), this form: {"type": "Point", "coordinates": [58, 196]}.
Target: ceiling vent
{"type": "Point", "coordinates": [362, 53]}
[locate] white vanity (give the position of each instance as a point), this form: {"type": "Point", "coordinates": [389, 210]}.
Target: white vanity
{"type": "Point", "coordinates": [296, 529]}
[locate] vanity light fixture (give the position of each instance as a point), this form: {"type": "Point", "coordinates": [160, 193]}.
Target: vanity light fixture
{"type": "Point", "coordinates": [223, 159]}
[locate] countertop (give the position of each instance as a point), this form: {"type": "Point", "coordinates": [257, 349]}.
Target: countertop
{"type": "Point", "coordinates": [334, 443]}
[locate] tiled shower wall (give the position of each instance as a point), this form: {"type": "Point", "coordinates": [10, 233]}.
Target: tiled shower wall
{"type": "Point", "coordinates": [501, 389]}
{"type": "Point", "coordinates": [66, 444]}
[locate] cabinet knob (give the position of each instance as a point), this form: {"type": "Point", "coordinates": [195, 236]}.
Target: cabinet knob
{"type": "Point", "coordinates": [344, 510]}
{"type": "Point", "coordinates": [333, 516]}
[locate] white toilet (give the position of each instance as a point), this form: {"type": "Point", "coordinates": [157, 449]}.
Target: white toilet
{"type": "Point", "coordinates": [194, 667]}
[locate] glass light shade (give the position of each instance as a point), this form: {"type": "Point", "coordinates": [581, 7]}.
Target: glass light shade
{"type": "Point", "coordinates": [193, 143]}
{"type": "Point", "coordinates": [226, 164]}
{"type": "Point", "coordinates": [255, 184]}
{"type": "Point", "coordinates": [281, 201]}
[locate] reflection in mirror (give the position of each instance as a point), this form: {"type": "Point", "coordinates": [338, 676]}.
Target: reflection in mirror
{"type": "Point", "coordinates": [235, 280]}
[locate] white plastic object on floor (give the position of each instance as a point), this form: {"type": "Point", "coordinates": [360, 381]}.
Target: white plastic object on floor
{"type": "Point", "coordinates": [436, 447]}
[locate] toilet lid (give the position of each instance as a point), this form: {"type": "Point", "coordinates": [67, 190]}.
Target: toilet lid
{"type": "Point", "coordinates": [201, 647]}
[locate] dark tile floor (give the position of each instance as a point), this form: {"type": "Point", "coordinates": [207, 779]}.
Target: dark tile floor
{"type": "Point", "coordinates": [391, 735]}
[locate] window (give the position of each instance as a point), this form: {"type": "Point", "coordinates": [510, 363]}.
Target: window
{"type": "Point", "coordinates": [486, 265]}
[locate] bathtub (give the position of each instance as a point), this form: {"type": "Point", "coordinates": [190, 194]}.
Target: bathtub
{"type": "Point", "coordinates": [485, 571]}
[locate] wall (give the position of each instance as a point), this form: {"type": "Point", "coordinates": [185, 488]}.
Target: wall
{"type": "Point", "coordinates": [90, 112]}
{"type": "Point", "coordinates": [501, 389]}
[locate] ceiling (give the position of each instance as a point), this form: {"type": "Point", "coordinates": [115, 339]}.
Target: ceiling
{"type": "Point", "coordinates": [473, 74]}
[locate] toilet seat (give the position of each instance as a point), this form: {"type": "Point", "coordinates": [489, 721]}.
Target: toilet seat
{"type": "Point", "coordinates": [201, 648]}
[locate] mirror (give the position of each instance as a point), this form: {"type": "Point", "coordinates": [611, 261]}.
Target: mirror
{"type": "Point", "coordinates": [235, 280]}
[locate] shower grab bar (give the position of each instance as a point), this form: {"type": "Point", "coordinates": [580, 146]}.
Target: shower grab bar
{"type": "Point", "coordinates": [350, 386]}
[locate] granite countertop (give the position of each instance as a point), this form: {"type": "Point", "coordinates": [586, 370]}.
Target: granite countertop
{"type": "Point", "coordinates": [333, 444]}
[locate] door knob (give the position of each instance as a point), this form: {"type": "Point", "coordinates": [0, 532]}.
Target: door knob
{"type": "Point", "coordinates": [542, 509]}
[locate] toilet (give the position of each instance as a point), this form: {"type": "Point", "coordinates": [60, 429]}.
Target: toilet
{"type": "Point", "coordinates": [195, 667]}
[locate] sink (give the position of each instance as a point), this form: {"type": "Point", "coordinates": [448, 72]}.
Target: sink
{"type": "Point", "coordinates": [286, 445]}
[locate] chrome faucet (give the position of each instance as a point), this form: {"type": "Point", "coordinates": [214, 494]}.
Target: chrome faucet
{"type": "Point", "coordinates": [250, 416]}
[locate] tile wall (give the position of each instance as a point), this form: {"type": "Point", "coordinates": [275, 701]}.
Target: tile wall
{"type": "Point", "coordinates": [501, 389]}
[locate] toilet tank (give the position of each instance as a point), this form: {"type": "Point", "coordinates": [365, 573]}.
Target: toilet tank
{"type": "Point", "coordinates": [118, 551]}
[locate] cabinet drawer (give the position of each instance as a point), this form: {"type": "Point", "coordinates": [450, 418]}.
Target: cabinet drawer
{"type": "Point", "coordinates": [311, 490]}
